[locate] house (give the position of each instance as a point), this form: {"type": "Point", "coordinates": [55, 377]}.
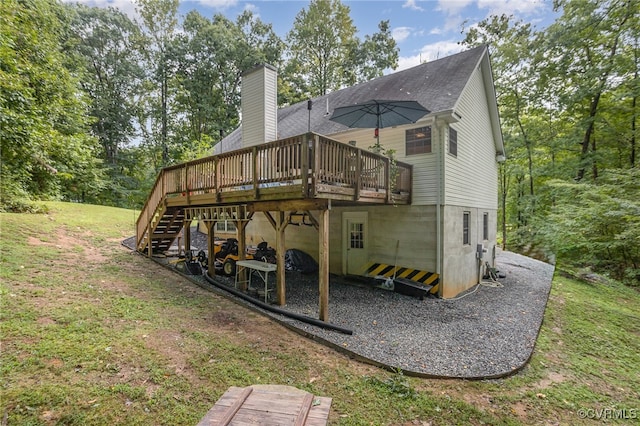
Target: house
{"type": "Point", "coordinates": [454, 150]}
{"type": "Point", "coordinates": [431, 216]}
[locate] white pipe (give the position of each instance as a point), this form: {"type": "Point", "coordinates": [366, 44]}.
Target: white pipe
{"type": "Point", "coordinates": [439, 204]}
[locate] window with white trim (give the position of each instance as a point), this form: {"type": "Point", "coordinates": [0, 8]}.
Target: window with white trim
{"type": "Point", "coordinates": [485, 226]}
{"type": "Point", "coordinates": [465, 228]}
{"type": "Point", "coordinates": [418, 140]}
{"type": "Point", "coordinates": [453, 142]}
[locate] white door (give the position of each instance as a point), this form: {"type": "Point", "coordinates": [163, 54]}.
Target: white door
{"type": "Point", "coordinates": [355, 242]}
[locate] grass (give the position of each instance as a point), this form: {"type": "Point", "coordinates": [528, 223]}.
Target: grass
{"type": "Point", "coordinates": [92, 334]}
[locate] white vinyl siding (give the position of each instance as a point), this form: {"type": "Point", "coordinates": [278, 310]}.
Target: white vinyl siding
{"type": "Point", "coordinates": [425, 166]}
{"type": "Point", "coordinates": [259, 107]}
{"type": "Point", "coordinates": [271, 106]}
{"type": "Point", "coordinates": [471, 177]}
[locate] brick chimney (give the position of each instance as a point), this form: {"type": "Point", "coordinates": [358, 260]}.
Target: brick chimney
{"type": "Point", "coordinates": [259, 103]}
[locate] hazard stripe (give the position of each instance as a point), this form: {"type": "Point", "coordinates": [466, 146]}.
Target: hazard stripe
{"type": "Point", "coordinates": [424, 277]}
{"type": "Point", "coordinates": [412, 274]}
{"type": "Point", "coordinates": [431, 279]}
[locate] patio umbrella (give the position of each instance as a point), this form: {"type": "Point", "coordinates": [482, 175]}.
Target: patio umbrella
{"type": "Point", "coordinates": [378, 114]}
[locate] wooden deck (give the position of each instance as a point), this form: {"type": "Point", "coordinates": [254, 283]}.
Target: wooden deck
{"type": "Point", "coordinates": [306, 172]}
{"type": "Point", "coordinates": [268, 405]}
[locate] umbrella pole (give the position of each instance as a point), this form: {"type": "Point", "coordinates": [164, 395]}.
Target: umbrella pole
{"type": "Point", "coordinates": [378, 147]}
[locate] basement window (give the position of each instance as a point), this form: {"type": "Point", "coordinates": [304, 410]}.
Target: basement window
{"type": "Point", "coordinates": [485, 226]}
{"type": "Point", "coordinates": [465, 227]}
{"type": "Point", "coordinates": [418, 140]}
{"type": "Point", "coordinates": [453, 142]}
{"type": "Point", "coordinates": [225, 226]}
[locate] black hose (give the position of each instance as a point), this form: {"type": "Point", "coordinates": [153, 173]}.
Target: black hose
{"type": "Point", "coordinates": [270, 308]}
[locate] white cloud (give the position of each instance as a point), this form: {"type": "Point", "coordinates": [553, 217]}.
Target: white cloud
{"type": "Point", "coordinates": [453, 23]}
{"type": "Point", "coordinates": [453, 7]}
{"type": "Point", "coordinates": [218, 4]}
{"type": "Point", "coordinates": [125, 6]}
{"type": "Point", "coordinates": [401, 33]}
{"type": "Point", "coordinates": [430, 52]}
{"type": "Point", "coordinates": [515, 7]}
{"type": "Point", "coordinates": [411, 4]}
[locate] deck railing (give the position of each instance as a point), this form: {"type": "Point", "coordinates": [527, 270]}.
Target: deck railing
{"type": "Point", "coordinates": [307, 160]}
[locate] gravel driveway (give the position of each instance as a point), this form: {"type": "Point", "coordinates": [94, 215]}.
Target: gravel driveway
{"type": "Point", "coordinates": [488, 332]}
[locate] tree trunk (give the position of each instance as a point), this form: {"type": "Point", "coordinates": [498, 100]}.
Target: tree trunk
{"type": "Point", "coordinates": [632, 157]}
{"type": "Point", "coordinates": [163, 112]}
{"type": "Point", "coordinates": [587, 136]}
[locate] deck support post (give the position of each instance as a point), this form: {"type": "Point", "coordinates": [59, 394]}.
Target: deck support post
{"type": "Point", "coordinates": [211, 262]}
{"type": "Point", "coordinates": [280, 249]}
{"type": "Point", "coordinates": [241, 226]}
{"type": "Point", "coordinates": [279, 224]}
{"type": "Point", "coordinates": [187, 236]}
{"type": "Point", "coordinates": [323, 269]}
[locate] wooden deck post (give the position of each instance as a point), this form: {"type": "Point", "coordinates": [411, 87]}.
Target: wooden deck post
{"type": "Point", "coordinates": [241, 226]}
{"type": "Point", "coordinates": [323, 270]}
{"type": "Point", "coordinates": [187, 236]}
{"type": "Point", "coordinates": [280, 249]}
{"type": "Point", "coordinates": [279, 225]}
{"type": "Point", "coordinates": [211, 263]}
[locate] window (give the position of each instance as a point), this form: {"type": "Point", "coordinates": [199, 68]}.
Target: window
{"type": "Point", "coordinates": [225, 226]}
{"type": "Point", "coordinates": [453, 142]}
{"type": "Point", "coordinates": [357, 235]}
{"type": "Point", "coordinates": [465, 228]}
{"type": "Point", "coordinates": [418, 141]}
{"type": "Point", "coordinates": [485, 226]}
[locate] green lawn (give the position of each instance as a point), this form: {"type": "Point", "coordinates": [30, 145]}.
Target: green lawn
{"type": "Point", "coordinates": [93, 334]}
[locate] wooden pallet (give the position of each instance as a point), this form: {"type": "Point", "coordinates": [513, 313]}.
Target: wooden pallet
{"type": "Point", "coordinates": [268, 405]}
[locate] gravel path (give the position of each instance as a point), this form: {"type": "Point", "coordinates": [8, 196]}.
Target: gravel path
{"type": "Point", "coordinates": [488, 332]}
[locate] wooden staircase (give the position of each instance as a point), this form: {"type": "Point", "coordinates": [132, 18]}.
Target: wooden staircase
{"type": "Point", "coordinates": [162, 230]}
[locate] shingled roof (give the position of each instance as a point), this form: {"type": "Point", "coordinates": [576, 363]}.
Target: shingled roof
{"type": "Point", "coordinates": [436, 85]}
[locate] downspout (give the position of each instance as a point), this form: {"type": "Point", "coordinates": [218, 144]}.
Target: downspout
{"type": "Point", "coordinates": [439, 201]}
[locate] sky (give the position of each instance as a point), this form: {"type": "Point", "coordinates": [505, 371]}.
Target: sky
{"type": "Point", "coordinates": [423, 30]}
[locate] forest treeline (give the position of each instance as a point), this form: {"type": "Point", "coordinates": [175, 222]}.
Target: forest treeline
{"type": "Point", "coordinates": [93, 104]}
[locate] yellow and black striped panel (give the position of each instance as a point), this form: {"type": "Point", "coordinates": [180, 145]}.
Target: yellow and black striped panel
{"type": "Point", "coordinates": [427, 278]}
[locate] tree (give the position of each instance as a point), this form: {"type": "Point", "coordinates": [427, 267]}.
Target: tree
{"type": "Point", "coordinates": [325, 54]}
{"type": "Point", "coordinates": [583, 49]}
{"type": "Point", "coordinates": [106, 43]}
{"type": "Point", "coordinates": [210, 59]}
{"type": "Point", "coordinates": [159, 20]}
{"type": "Point", "coordinates": [45, 145]}
{"type": "Point", "coordinates": [377, 53]}
{"type": "Point", "coordinates": [512, 45]}
{"type": "Point", "coordinates": [320, 43]}
{"type": "Point", "coordinates": [597, 225]}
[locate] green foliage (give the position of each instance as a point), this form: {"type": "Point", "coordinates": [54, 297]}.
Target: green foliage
{"type": "Point", "coordinates": [396, 384]}
{"type": "Point", "coordinates": [597, 225]}
{"type": "Point", "coordinates": [319, 44]}
{"type": "Point", "coordinates": [568, 105]}
{"type": "Point", "coordinates": [209, 58]}
{"type": "Point", "coordinates": [46, 151]}
{"type": "Point", "coordinates": [326, 55]}
{"type": "Point", "coordinates": [106, 44]}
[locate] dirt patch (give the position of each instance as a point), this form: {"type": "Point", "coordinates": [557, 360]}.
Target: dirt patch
{"type": "Point", "coordinates": [551, 379]}
{"type": "Point", "coordinates": [73, 247]}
